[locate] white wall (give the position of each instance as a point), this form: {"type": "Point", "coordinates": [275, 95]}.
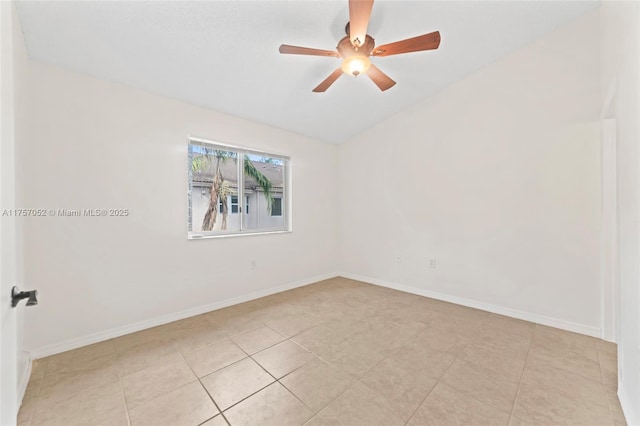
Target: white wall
{"type": "Point", "coordinates": [621, 81]}
{"type": "Point", "coordinates": [96, 144]}
{"type": "Point", "coordinates": [497, 178]}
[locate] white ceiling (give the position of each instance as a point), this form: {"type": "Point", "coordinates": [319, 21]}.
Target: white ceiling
{"type": "Point", "coordinates": [224, 55]}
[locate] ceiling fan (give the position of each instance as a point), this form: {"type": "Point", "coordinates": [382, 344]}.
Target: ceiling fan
{"type": "Point", "coordinates": [356, 48]}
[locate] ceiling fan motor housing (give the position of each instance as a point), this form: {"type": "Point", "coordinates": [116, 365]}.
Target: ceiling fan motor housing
{"type": "Point", "coordinates": [346, 49]}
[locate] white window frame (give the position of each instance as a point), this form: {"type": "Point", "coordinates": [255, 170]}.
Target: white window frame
{"type": "Point", "coordinates": [241, 151]}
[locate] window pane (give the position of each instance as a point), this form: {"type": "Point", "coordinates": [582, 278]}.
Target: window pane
{"type": "Point", "coordinates": [235, 190]}
{"type": "Point", "coordinates": [214, 174]}
{"type": "Point", "coordinates": [234, 204]}
{"type": "Point", "coordinates": [276, 210]}
{"type": "Point", "coordinates": [263, 185]}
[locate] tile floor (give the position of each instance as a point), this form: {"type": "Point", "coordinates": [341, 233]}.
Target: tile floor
{"type": "Point", "coordinates": [338, 352]}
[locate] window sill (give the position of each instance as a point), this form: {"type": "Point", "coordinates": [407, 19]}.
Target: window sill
{"type": "Point", "coordinates": [196, 236]}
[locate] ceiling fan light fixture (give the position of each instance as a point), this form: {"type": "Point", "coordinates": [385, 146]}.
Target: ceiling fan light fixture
{"type": "Point", "coordinates": [356, 65]}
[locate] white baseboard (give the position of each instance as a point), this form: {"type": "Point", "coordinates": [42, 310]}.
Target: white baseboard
{"type": "Point", "coordinates": [514, 313]}
{"type": "Point", "coordinates": [631, 415]}
{"type": "Point", "coordinates": [89, 339]}
{"type": "Point", "coordinates": [24, 381]}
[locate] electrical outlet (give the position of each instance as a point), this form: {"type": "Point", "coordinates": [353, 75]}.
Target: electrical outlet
{"type": "Point", "coordinates": [253, 264]}
{"type": "Point", "coordinates": [432, 263]}
{"type": "Point", "coordinates": [398, 259]}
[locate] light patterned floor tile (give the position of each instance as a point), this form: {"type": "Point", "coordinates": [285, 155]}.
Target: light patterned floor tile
{"type": "Point", "coordinates": [404, 388]}
{"type": "Point", "coordinates": [485, 385]}
{"type": "Point", "coordinates": [317, 383]}
{"type": "Point", "coordinates": [615, 408]}
{"type": "Point", "coordinates": [290, 325]}
{"type": "Point", "coordinates": [92, 406]}
{"type": "Point", "coordinates": [571, 385]}
{"type": "Point", "coordinates": [216, 421]}
{"type": "Point", "coordinates": [213, 357]}
{"type": "Point", "coordinates": [78, 358]}
{"type": "Point", "coordinates": [447, 406]}
{"type": "Point", "coordinates": [132, 358]}
{"type": "Point", "coordinates": [143, 385]}
{"type": "Point", "coordinates": [283, 358]}
{"type": "Point", "coordinates": [188, 405]}
{"type": "Point", "coordinates": [273, 405]}
{"type": "Point", "coordinates": [26, 411]}
{"type": "Point", "coordinates": [495, 358]}
{"type": "Point", "coordinates": [82, 377]}
{"type": "Point", "coordinates": [565, 340]}
{"type": "Point", "coordinates": [235, 382]}
{"type": "Point", "coordinates": [257, 339]}
{"type": "Point", "coordinates": [358, 406]}
{"type": "Point", "coordinates": [33, 388]}
{"type": "Point", "coordinates": [193, 333]}
{"type": "Point", "coordinates": [565, 360]}
{"type": "Point", "coordinates": [543, 404]}
{"type": "Point", "coordinates": [119, 420]}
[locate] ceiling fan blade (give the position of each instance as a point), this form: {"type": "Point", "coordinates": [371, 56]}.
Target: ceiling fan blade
{"type": "Point", "coordinates": [381, 80]}
{"type": "Point", "coordinates": [296, 50]}
{"type": "Point", "coordinates": [359, 13]}
{"type": "Point", "coordinates": [328, 81]}
{"type": "Point", "coordinates": [424, 42]}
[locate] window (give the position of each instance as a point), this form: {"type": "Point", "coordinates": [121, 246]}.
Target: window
{"type": "Point", "coordinates": [234, 204]}
{"type": "Point", "coordinates": [232, 200]}
{"type": "Point", "coordinates": [276, 209]}
{"type": "Point", "coordinates": [224, 181]}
